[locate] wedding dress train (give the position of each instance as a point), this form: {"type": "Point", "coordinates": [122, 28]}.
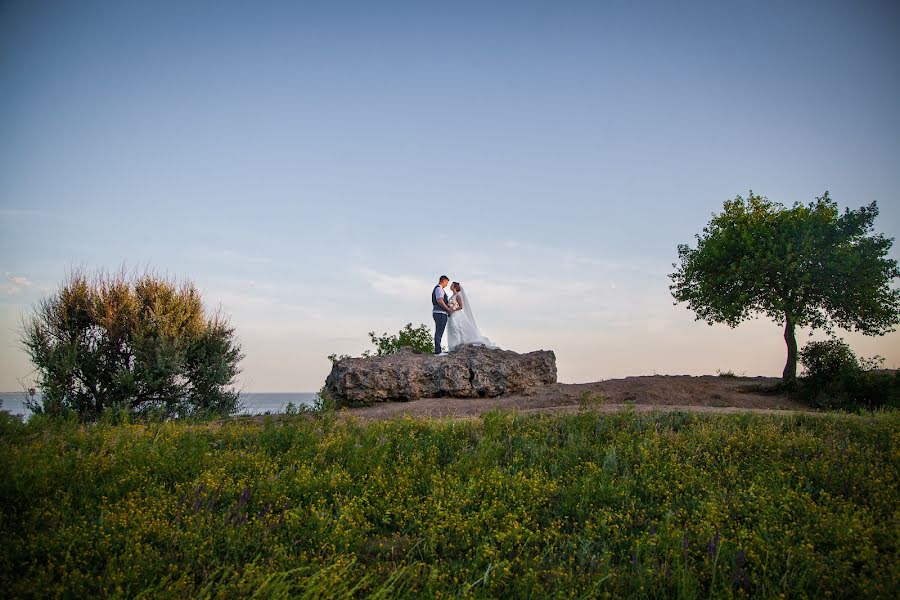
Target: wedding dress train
{"type": "Point", "coordinates": [461, 328]}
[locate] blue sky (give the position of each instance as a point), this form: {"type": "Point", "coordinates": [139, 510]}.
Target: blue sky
{"type": "Point", "coordinates": [314, 166]}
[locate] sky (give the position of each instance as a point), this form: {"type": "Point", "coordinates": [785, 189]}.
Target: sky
{"type": "Point", "coordinates": [313, 167]}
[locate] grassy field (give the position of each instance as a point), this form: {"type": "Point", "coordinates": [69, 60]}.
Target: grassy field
{"type": "Point", "coordinates": [579, 505]}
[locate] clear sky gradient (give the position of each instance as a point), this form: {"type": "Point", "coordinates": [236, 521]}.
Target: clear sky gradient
{"type": "Point", "coordinates": [314, 166]}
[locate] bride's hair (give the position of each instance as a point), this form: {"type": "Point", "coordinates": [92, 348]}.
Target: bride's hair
{"type": "Point", "coordinates": [456, 286]}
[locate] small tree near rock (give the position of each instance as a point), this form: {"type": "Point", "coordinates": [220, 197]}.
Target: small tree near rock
{"type": "Point", "coordinates": [418, 338]}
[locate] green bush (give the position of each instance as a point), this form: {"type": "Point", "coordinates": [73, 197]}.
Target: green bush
{"type": "Point", "coordinates": [140, 345]}
{"type": "Point", "coordinates": [584, 505]}
{"type": "Point", "coordinates": [418, 338]}
{"type": "Point", "coordinates": [835, 377]}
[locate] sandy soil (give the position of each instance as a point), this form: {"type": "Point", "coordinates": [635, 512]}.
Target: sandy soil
{"type": "Point", "coordinates": [658, 392]}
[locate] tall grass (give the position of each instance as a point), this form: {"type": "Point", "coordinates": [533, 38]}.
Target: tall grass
{"type": "Point", "coordinates": [583, 505]}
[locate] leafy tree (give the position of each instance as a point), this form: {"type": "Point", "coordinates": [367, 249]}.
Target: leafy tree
{"type": "Point", "coordinates": [803, 266]}
{"type": "Point", "coordinates": [138, 343]}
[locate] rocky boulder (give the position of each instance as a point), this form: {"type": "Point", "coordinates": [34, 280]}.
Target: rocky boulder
{"type": "Point", "coordinates": [468, 372]}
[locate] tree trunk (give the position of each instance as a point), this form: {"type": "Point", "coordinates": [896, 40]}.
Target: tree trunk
{"type": "Point", "coordinates": [790, 368]}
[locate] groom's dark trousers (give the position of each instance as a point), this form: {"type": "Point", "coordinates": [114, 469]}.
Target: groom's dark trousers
{"type": "Point", "coordinates": [440, 322]}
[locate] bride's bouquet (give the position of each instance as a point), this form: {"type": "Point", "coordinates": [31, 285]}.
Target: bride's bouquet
{"type": "Point", "coordinates": [454, 304]}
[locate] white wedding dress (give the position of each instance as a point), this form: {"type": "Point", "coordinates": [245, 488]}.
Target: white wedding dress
{"type": "Point", "coordinates": [461, 327]}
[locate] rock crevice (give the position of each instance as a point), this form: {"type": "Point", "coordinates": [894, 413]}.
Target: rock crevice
{"type": "Point", "coordinates": [469, 372]}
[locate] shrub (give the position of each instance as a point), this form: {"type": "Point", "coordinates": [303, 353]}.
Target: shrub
{"type": "Point", "coordinates": [323, 401]}
{"type": "Point", "coordinates": [135, 343]}
{"type": "Point", "coordinates": [418, 338]}
{"type": "Point", "coordinates": [729, 374]}
{"type": "Point", "coordinates": [835, 378]}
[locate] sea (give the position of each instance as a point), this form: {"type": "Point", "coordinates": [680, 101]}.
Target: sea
{"type": "Point", "coordinates": [252, 403]}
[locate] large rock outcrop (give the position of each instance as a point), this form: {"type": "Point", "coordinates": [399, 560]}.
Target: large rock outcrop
{"type": "Point", "coordinates": [469, 372]}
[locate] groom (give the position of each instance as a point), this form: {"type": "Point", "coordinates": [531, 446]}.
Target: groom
{"type": "Point", "coordinates": [440, 311]}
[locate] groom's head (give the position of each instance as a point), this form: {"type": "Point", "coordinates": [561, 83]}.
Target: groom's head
{"type": "Point", "coordinates": [443, 281]}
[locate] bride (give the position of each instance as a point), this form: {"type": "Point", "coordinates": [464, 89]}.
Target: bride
{"type": "Point", "coordinates": [461, 328]}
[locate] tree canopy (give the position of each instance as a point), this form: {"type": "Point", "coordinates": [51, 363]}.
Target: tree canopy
{"type": "Point", "coordinates": [802, 266]}
{"type": "Point", "coordinates": [139, 343]}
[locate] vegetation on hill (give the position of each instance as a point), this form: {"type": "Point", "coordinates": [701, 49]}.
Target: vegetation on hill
{"type": "Point", "coordinates": [581, 505]}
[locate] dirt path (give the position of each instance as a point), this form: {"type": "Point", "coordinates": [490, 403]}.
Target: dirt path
{"type": "Point", "coordinates": [643, 394]}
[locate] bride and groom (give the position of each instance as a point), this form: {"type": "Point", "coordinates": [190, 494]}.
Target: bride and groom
{"type": "Point", "coordinates": [454, 313]}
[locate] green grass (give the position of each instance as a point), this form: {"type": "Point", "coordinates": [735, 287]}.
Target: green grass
{"type": "Point", "coordinates": [583, 505]}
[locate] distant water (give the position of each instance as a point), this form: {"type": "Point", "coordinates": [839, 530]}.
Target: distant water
{"type": "Point", "coordinates": [256, 404]}
{"type": "Point", "coordinates": [252, 403]}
